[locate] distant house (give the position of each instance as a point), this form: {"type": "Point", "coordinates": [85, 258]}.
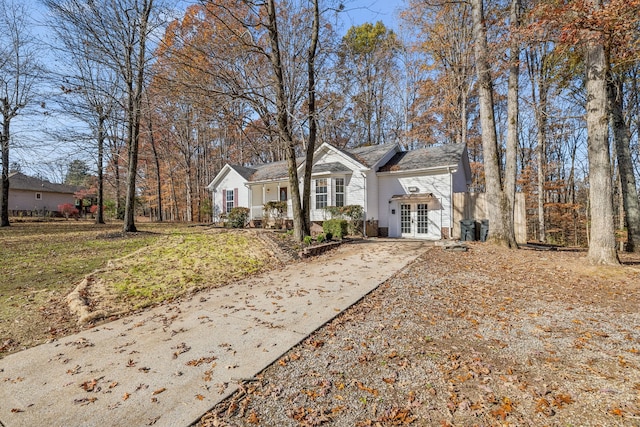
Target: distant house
{"type": "Point", "coordinates": [403, 193]}
{"type": "Point", "coordinates": [34, 196]}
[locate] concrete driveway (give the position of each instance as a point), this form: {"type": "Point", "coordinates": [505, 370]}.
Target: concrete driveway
{"type": "Point", "coordinates": [167, 366]}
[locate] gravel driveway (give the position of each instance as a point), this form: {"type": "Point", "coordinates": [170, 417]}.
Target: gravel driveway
{"type": "Point", "coordinates": [484, 337]}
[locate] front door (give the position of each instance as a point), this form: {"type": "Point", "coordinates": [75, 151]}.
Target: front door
{"type": "Point", "coordinates": [414, 220]}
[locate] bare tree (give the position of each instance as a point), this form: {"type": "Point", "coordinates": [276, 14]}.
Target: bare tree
{"type": "Point", "coordinates": [622, 139]}
{"type": "Point", "coordinates": [602, 244]}
{"type": "Point", "coordinates": [499, 210]}
{"type": "Point", "coordinates": [117, 33]}
{"type": "Point", "coordinates": [91, 89]}
{"type": "Point", "coordinates": [19, 72]}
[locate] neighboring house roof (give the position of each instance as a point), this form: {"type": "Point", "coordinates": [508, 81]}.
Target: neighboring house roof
{"type": "Point", "coordinates": [20, 181]}
{"type": "Point", "coordinates": [425, 158]}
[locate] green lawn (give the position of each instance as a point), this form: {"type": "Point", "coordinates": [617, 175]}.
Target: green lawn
{"type": "Point", "coordinates": [41, 262]}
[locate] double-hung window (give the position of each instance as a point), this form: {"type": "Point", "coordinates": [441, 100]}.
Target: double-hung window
{"type": "Point", "coordinates": [230, 200]}
{"type": "Point", "coordinates": [321, 193]}
{"type": "Point", "coordinates": [339, 189]}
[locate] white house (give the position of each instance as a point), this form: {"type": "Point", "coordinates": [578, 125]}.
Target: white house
{"type": "Point", "coordinates": [403, 193]}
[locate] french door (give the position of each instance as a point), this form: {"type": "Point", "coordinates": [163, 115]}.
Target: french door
{"type": "Point", "coordinates": [414, 220]}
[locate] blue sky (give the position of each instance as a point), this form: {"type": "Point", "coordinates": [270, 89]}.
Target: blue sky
{"type": "Point", "coordinates": [358, 12]}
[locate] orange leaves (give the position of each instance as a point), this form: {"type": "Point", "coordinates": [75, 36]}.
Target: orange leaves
{"type": "Point", "coordinates": [545, 405]}
{"type": "Point", "coordinates": [90, 385]}
{"type": "Point", "coordinates": [362, 387]}
{"type": "Point", "coordinates": [198, 362]}
{"type": "Point", "coordinates": [505, 409]}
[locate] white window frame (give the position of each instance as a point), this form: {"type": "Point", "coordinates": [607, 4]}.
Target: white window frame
{"type": "Point", "coordinates": [38, 196]}
{"type": "Point", "coordinates": [324, 194]}
{"type": "Point", "coordinates": [336, 186]}
{"type": "Point", "coordinates": [230, 200]}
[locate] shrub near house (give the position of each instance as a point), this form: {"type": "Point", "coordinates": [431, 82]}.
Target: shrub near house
{"type": "Point", "coordinates": [67, 209]}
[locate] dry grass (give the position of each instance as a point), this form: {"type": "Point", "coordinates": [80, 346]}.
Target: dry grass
{"type": "Point", "coordinates": [42, 262]}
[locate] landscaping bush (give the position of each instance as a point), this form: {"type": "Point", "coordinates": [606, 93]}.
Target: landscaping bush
{"type": "Point", "coordinates": [276, 210]}
{"type": "Point", "coordinates": [328, 236]}
{"type": "Point", "coordinates": [353, 213]}
{"type": "Point", "coordinates": [338, 228]}
{"type": "Point", "coordinates": [320, 238]}
{"type": "Point", "coordinates": [67, 209]}
{"type": "Point", "coordinates": [308, 240]}
{"type": "Point", "coordinates": [238, 217]}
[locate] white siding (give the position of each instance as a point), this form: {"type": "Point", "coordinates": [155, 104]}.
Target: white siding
{"type": "Point", "coordinates": [230, 181]}
{"type": "Point", "coordinates": [391, 184]}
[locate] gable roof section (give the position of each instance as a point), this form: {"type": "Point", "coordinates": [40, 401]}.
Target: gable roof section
{"type": "Point", "coordinates": [371, 154]}
{"type": "Point", "coordinates": [334, 167]}
{"type": "Point", "coordinates": [448, 155]}
{"type": "Point", "coordinates": [270, 172]}
{"type": "Point", "coordinates": [20, 181]}
{"type": "Point", "coordinates": [243, 171]}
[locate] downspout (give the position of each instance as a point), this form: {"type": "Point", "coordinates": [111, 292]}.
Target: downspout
{"type": "Point", "coordinates": [451, 222]}
{"type": "Point", "coordinates": [213, 205]}
{"type": "Point", "coordinates": [364, 213]}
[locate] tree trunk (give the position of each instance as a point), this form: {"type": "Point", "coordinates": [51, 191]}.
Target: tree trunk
{"type": "Point", "coordinates": [313, 124]}
{"type": "Point", "coordinates": [135, 102]}
{"type": "Point", "coordinates": [511, 161]}
{"type": "Point", "coordinates": [156, 160]}
{"type": "Point", "coordinates": [100, 164]}
{"type": "Point", "coordinates": [284, 126]}
{"type": "Point", "coordinates": [500, 227]}
{"type": "Point", "coordinates": [4, 140]}
{"type": "Point", "coordinates": [602, 244]}
{"type": "Point", "coordinates": [622, 138]}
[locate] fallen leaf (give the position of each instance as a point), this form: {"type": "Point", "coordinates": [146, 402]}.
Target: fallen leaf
{"type": "Point", "coordinates": [253, 418]}
{"type": "Point", "coordinates": [158, 391]}
{"type": "Point", "coordinates": [199, 397]}
{"type": "Point", "coordinates": [89, 386]}
{"type": "Point", "coordinates": [125, 396]}
{"type": "Point", "coordinates": [198, 362]}
{"type": "Point", "coordinates": [617, 411]}
{"type": "Point", "coordinates": [16, 410]}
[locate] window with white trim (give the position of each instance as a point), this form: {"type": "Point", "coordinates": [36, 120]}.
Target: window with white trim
{"type": "Point", "coordinates": [229, 199]}
{"type": "Point", "coordinates": [38, 196]}
{"type": "Point", "coordinates": [321, 193]}
{"type": "Point", "coordinates": [339, 188]}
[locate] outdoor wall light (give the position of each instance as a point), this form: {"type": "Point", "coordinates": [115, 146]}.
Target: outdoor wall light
{"type": "Point", "coordinates": [413, 189]}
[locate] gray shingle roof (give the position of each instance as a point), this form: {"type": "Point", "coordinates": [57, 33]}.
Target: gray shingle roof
{"type": "Point", "coordinates": [425, 158]}
{"type": "Point", "coordinates": [369, 155]}
{"type": "Point", "coordinates": [20, 181]}
{"type": "Point", "coordinates": [330, 167]}
{"type": "Point", "coordinates": [243, 171]}
{"type": "Point", "coordinates": [270, 171]}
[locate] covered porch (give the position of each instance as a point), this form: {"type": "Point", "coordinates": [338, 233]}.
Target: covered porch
{"type": "Point", "coordinates": [263, 192]}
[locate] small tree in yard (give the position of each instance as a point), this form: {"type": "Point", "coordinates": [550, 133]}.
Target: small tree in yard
{"type": "Point", "coordinates": [67, 209]}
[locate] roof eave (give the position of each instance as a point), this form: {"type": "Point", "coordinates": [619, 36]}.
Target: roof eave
{"type": "Point", "coordinates": [452, 168]}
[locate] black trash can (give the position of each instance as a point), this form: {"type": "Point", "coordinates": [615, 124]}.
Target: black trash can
{"type": "Point", "coordinates": [484, 230]}
{"type": "Point", "coordinates": [467, 230]}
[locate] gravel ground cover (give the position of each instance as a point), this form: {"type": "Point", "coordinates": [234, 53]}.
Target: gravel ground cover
{"type": "Point", "coordinates": [484, 337]}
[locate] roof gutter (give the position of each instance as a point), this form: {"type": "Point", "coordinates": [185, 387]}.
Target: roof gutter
{"type": "Point", "coordinates": [447, 168]}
